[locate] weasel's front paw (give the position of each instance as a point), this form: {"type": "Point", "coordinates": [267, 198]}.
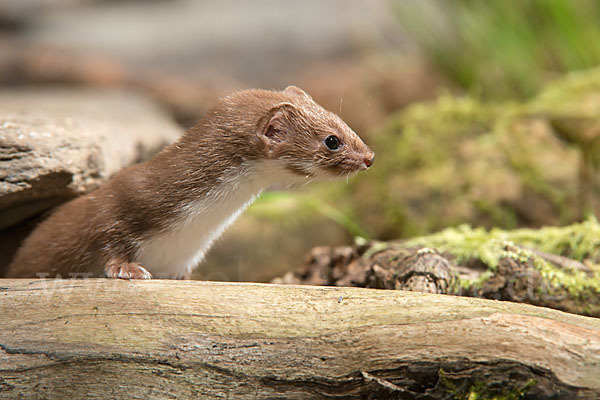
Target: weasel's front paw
{"type": "Point", "coordinates": [125, 270]}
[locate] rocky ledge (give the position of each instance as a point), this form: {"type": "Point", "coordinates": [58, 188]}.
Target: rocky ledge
{"type": "Point", "coordinates": [57, 143]}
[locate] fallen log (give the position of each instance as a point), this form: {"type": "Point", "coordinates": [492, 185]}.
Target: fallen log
{"type": "Point", "coordinates": [188, 339]}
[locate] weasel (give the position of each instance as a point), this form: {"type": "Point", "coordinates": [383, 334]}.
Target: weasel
{"type": "Point", "coordinates": [160, 217]}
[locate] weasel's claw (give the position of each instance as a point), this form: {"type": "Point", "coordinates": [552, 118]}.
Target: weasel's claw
{"type": "Point", "coordinates": [127, 271]}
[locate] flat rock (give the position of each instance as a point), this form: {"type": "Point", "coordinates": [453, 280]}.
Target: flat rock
{"type": "Point", "coordinates": [58, 143]}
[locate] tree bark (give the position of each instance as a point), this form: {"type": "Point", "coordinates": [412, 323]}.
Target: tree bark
{"type": "Point", "coordinates": [187, 339]}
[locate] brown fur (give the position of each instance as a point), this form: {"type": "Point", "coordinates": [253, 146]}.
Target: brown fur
{"type": "Point", "coordinates": [98, 234]}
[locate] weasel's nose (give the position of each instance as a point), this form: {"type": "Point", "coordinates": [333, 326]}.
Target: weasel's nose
{"type": "Point", "coordinates": [369, 160]}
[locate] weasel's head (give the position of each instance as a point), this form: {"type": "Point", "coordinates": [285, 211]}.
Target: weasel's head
{"type": "Point", "coordinates": [309, 140]}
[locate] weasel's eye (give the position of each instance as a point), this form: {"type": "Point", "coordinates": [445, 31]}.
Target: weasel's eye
{"type": "Point", "coordinates": [332, 142]}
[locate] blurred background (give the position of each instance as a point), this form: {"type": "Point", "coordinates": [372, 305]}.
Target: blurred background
{"type": "Point", "coordinates": [486, 113]}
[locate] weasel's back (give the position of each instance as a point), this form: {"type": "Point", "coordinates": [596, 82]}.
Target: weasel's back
{"type": "Point", "coordinates": [59, 246]}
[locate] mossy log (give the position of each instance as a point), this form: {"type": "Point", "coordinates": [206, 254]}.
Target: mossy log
{"type": "Point", "coordinates": [555, 267]}
{"type": "Point", "coordinates": [165, 339]}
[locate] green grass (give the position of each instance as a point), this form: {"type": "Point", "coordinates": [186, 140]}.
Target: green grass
{"type": "Point", "coordinates": [277, 204]}
{"type": "Point", "coordinates": [504, 49]}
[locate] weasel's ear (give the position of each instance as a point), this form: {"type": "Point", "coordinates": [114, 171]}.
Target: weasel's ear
{"type": "Point", "coordinates": [274, 126]}
{"type": "Point", "coordinates": [294, 90]}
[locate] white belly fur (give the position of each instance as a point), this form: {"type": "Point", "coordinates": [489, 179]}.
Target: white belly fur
{"type": "Point", "coordinates": [174, 252]}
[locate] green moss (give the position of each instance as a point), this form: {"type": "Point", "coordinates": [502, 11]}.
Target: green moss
{"type": "Point", "coordinates": [481, 390]}
{"type": "Point", "coordinates": [374, 247]}
{"type": "Point", "coordinates": [456, 160]}
{"type": "Point", "coordinates": [576, 95]}
{"type": "Point", "coordinates": [421, 154]}
{"type": "Point", "coordinates": [580, 242]}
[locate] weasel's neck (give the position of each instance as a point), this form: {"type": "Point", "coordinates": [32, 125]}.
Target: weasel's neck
{"type": "Point", "coordinates": [205, 157]}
